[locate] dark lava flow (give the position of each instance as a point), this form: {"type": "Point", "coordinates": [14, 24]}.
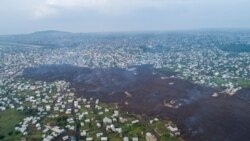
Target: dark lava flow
{"type": "Point", "coordinates": [151, 93]}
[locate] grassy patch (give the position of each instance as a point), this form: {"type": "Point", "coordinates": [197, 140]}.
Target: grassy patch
{"type": "Point", "coordinates": [8, 119]}
{"type": "Point", "coordinates": [136, 130]}
{"type": "Point", "coordinates": [34, 134]}
{"type": "Point", "coordinates": [218, 80]}
{"type": "Point", "coordinates": [243, 83]}
{"type": "Point", "coordinates": [113, 138]}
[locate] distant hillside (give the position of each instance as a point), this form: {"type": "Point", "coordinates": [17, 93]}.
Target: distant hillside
{"type": "Point", "coordinates": [50, 38]}
{"type": "Point", "coordinates": [230, 41]}
{"type": "Point", "coordinates": [50, 33]}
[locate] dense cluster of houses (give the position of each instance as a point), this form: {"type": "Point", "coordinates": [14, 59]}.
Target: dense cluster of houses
{"type": "Point", "coordinates": [55, 113]}
{"type": "Point", "coordinates": [203, 62]}
{"type": "Point", "coordinates": [53, 110]}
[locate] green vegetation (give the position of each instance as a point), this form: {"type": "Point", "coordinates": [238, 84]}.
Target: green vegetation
{"type": "Point", "coordinates": [87, 116]}
{"type": "Point", "coordinates": [243, 83]}
{"type": "Point", "coordinates": [218, 80]}
{"type": "Point", "coordinates": [62, 121]}
{"type": "Point", "coordinates": [115, 138]}
{"type": "Point", "coordinates": [162, 131]}
{"type": "Point", "coordinates": [36, 135]}
{"type": "Point", "coordinates": [8, 119]}
{"type": "Point", "coordinates": [135, 130]}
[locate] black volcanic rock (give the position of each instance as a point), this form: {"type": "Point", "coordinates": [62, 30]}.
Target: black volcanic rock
{"type": "Point", "coordinates": [200, 116]}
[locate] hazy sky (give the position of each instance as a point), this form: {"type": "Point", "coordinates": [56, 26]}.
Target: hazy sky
{"type": "Point", "coordinates": [22, 16]}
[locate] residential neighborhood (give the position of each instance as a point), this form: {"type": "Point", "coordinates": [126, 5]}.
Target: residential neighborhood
{"type": "Point", "coordinates": [157, 86]}
{"type": "Point", "coordinates": [51, 111]}
{"type": "Point", "coordinates": [200, 57]}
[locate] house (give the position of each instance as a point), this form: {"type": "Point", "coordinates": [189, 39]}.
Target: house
{"type": "Point", "coordinates": [68, 111]}
{"type": "Point", "coordinates": [125, 139]}
{"type": "Point", "coordinates": [134, 121]}
{"type": "Point", "coordinates": [135, 139]}
{"type": "Point", "coordinates": [118, 130]}
{"type": "Point", "coordinates": [122, 120]}
{"type": "Point", "coordinates": [97, 101]}
{"type": "Point", "coordinates": [47, 107]}
{"type": "Point", "coordinates": [83, 133]}
{"type": "Point", "coordinates": [106, 110]}
{"type": "Point", "coordinates": [82, 124]}
{"type": "Point", "coordinates": [150, 137]}
{"type": "Point", "coordinates": [57, 130]}
{"type": "Point", "coordinates": [98, 135]}
{"type": "Point", "coordinates": [89, 139]}
{"type": "Point", "coordinates": [65, 138]}
{"type": "Point", "coordinates": [114, 120]}
{"type": "Point", "coordinates": [98, 125]}
{"type": "Point", "coordinates": [104, 138]}
{"type": "Point", "coordinates": [87, 120]}
{"type": "Point", "coordinates": [87, 106]}
{"type": "Point", "coordinates": [116, 113]}
{"type": "Point", "coordinates": [107, 120]}
{"type": "Point", "coordinates": [172, 129]}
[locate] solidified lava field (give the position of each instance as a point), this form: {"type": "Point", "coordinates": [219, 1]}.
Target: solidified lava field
{"type": "Point", "coordinates": [152, 93]}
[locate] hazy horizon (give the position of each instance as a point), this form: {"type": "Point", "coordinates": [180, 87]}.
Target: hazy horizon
{"type": "Point", "coordinates": [85, 16]}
